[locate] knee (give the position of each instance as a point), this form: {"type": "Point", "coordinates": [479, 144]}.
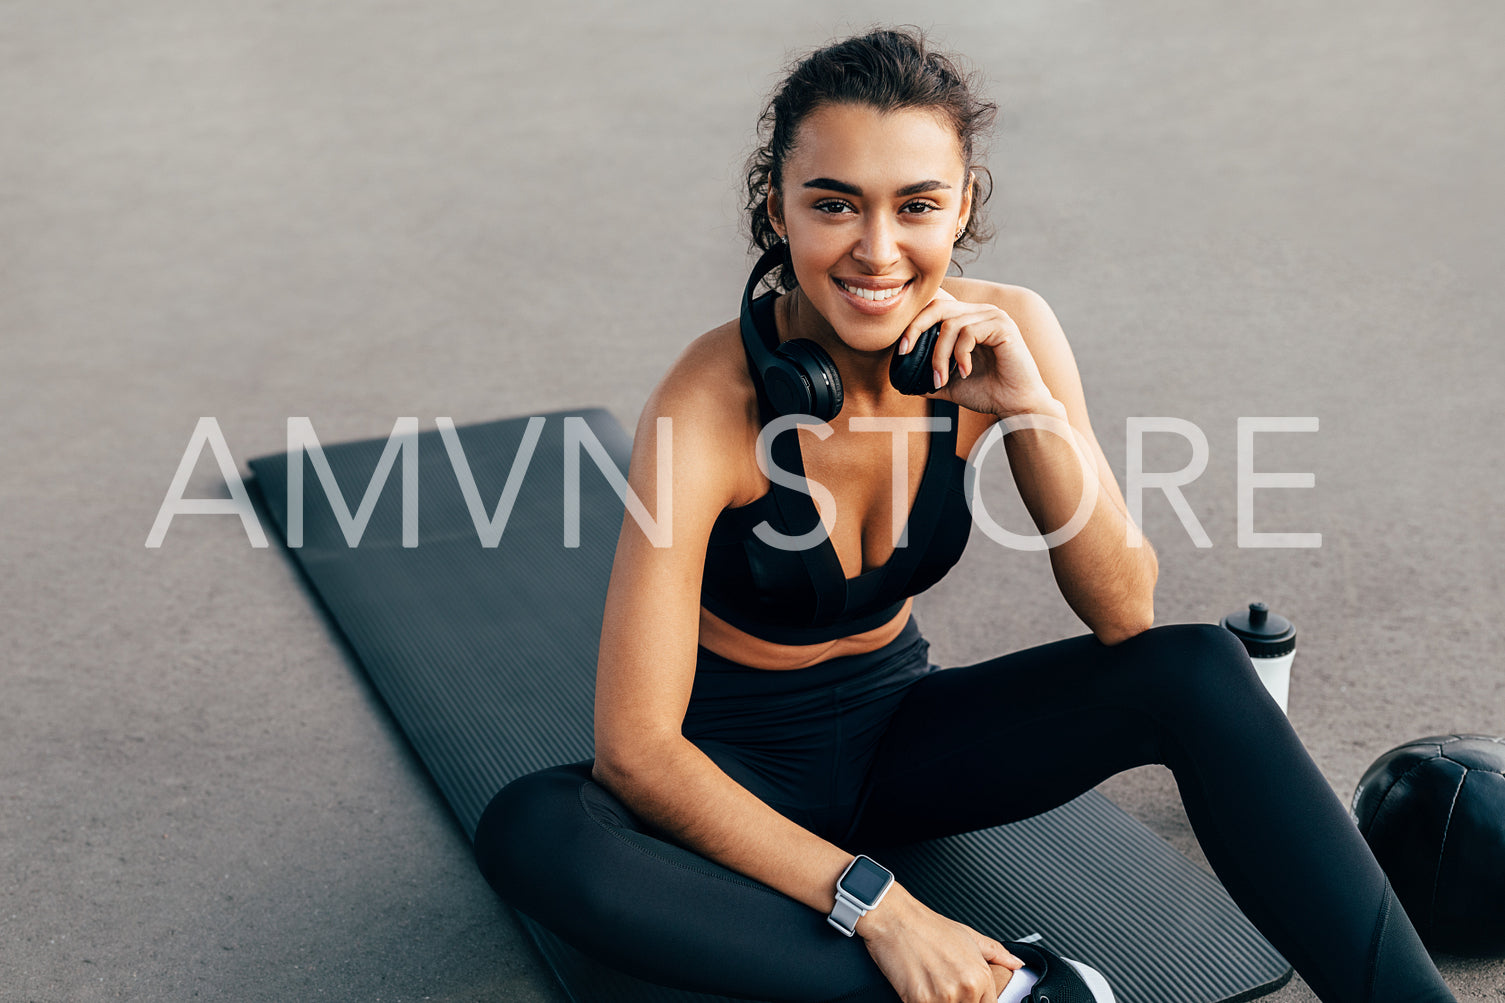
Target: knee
{"type": "Point", "coordinates": [1205, 643]}
{"type": "Point", "coordinates": [522, 826]}
{"type": "Point", "coordinates": [557, 847]}
{"type": "Point", "coordinates": [1201, 661]}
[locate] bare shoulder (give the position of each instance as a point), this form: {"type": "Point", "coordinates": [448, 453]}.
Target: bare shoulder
{"type": "Point", "coordinates": [708, 383]}
{"type": "Point", "coordinates": [1036, 320]}
{"type": "Point", "coordinates": [1018, 302]}
{"type": "Point", "coordinates": [709, 396]}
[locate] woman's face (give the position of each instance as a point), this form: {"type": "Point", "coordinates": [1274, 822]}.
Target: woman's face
{"type": "Point", "coordinates": [871, 203]}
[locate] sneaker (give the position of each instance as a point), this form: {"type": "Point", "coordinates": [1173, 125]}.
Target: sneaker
{"type": "Point", "coordinates": [1049, 978]}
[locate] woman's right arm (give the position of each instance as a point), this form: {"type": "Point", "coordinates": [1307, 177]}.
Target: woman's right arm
{"type": "Point", "coordinates": [645, 672]}
{"type": "Point", "coordinates": [646, 665]}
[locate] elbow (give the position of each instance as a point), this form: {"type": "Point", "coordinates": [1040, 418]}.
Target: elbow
{"type": "Point", "coordinates": [624, 767]}
{"type": "Point", "coordinates": [1137, 615]}
{"type": "Point", "coordinates": [609, 773]}
{"type": "Point", "coordinates": [1125, 606]}
{"type": "Point", "coordinates": [1131, 624]}
{"type": "Point", "coordinates": [1118, 635]}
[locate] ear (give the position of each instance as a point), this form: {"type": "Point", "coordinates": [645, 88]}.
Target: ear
{"type": "Point", "coordinates": [775, 205]}
{"type": "Point", "coordinates": [966, 213]}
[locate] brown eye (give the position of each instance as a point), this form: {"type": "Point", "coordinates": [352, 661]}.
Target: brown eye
{"type": "Point", "coordinates": [832, 206]}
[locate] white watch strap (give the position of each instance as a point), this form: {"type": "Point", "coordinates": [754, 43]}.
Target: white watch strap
{"type": "Point", "coordinates": [846, 914]}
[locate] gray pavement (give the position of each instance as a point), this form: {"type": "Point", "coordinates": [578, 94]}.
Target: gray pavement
{"type": "Point", "coordinates": [359, 211]}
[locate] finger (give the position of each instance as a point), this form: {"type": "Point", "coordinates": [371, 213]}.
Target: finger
{"type": "Point", "coordinates": [943, 305]}
{"type": "Point", "coordinates": [961, 356]}
{"type": "Point", "coordinates": [940, 355]}
{"type": "Point", "coordinates": [978, 986]}
{"type": "Point", "coordinates": [943, 357]}
{"type": "Point", "coordinates": [933, 313]}
{"type": "Point", "coordinates": [997, 954]}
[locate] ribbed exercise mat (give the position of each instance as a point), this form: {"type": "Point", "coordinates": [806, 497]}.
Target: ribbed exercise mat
{"type": "Point", "coordinates": [486, 657]}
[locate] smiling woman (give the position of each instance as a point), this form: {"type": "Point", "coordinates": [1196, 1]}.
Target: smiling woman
{"type": "Point", "coordinates": [766, 712]}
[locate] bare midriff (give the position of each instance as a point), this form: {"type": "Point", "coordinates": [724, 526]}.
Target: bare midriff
{"type": "Point", "coordinates": [739, 646]}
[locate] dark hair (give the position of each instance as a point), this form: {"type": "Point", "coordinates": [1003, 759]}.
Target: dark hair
{"type": "Point", "coordinates": [888, 69]}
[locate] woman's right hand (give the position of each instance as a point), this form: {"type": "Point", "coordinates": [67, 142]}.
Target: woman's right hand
{"type": "Point", "coordinates": [929, 958]}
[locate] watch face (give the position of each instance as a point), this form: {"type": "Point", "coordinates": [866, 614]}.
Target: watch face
{"type": "Point", "coordinates": [865, 880]}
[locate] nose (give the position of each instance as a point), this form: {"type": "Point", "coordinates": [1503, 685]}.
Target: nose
{"type": "Point", "coordinates": [877, 250]}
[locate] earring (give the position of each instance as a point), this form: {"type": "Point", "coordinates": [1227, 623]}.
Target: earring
{"type": "Point", "coordinates": [960, 230]}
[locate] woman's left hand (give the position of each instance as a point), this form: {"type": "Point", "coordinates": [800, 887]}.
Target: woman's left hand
{"type": "Point", "coordinates": [995, 373]}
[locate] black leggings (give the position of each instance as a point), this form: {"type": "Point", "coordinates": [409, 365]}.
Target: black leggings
{"type": "Point", "coordinates": [884, 748]}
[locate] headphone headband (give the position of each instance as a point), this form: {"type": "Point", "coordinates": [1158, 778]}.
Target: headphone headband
{"type": "Point", "coordinates": [762, 354]}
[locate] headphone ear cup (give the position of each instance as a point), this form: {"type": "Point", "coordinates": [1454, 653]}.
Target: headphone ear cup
{"type": "Point", "coordinates": [910, 373]}
{"type": "Point", "coordinates": [803, 380]}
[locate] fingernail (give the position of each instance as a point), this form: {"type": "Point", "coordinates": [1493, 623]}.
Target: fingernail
{"type": "Point", "coordinates": [940, 378]}
{"type": "Point", "coordinates": [904, 344]}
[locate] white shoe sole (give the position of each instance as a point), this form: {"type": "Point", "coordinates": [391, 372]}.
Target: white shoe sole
{"type": "Point", "coordinates": [1101, 991]}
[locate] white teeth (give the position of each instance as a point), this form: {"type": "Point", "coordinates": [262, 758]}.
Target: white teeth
{"type": "Point", "coordinates": [877, 295]}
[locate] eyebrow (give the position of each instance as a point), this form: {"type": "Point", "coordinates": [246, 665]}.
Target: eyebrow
{"type": "Point", "coordinates": [831, 184]}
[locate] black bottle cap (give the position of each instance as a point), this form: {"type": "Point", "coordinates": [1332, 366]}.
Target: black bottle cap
{"type": "Point", "coordinates": [1265, 634]}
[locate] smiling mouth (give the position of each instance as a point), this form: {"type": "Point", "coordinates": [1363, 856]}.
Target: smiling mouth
{"type": "Point", "coordinates": [873, 295]}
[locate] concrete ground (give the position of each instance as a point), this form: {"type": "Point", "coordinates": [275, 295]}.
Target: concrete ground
{"type": "Point", "coordinates": [360, 211]}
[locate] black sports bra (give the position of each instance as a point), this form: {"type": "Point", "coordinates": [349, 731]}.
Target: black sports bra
{"type": "Point", "coordinates": [803, 596]}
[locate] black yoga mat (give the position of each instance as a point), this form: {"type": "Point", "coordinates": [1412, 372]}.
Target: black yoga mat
{"type": "Point", "coordinates": [486, 657]}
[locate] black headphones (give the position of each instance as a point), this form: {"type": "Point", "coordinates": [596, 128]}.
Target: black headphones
{"type": "Point", "coordinates": [799, 376]}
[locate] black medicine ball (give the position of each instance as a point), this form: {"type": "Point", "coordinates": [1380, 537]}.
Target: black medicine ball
{"type": "Point", "coordinates": [1433, 811]}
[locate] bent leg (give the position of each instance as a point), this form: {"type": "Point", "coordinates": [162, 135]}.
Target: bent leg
{"type": "Point", "coordinates": [562, 849]}
{"type": "Point", "coordinates": [1017, 735]}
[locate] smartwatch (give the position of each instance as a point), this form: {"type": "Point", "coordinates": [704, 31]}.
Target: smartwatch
{"type": "Point", "coordinates": [858, 891]}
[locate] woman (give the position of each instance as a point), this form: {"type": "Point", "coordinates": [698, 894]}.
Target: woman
{"type": "Point", "coordinates": [765, 707]}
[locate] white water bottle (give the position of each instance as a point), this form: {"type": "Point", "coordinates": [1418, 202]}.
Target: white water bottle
{"type": "Point", "coordinates": [1271, 642]}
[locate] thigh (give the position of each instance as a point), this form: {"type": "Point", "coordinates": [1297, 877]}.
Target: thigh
{"type": "Point", "coordinates": [1017, 735]}
{"type": "Point", "coordinates": [565, 851]}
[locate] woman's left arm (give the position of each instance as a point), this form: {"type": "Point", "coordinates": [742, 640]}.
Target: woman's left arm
{"type": "Point", "coordinates": [1012, 359]}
